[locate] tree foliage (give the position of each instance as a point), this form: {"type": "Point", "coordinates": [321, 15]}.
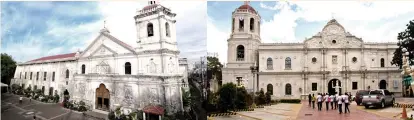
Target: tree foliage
{"type": "Point", "coordinates": [8, 67]}
{"type": "Point", "coordinates": [242, 98]}
{"type": "Point", "coordinates": [214, 66]}
{"type": "Point", "coordinates": [186, 98]}
{"type": "Point", "coordinates": [260, 98]}
{"type": "Point", "coordinates": [408, 36]}
{"type": "Point", "coordinates": [227, 97]}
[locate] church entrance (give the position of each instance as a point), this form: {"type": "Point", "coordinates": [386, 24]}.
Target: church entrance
{"type": "Point", "coordinates": [383, 84]}
{"type": "Point", "coordinates": [102, 98]}
{"type": "Point", "coordinates": [333, 85]}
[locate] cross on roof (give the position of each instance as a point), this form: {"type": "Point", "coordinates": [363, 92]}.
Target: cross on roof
{"type": "Point", "coordinates": [246, 2]}
{"type": "Point", "coordinates": [104, 23]}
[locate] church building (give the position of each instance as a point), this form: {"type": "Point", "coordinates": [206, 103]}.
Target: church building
{"type": "Point", "coordinates": [331, 61]}
{"type": "Point", "coordinates": [111, 73]}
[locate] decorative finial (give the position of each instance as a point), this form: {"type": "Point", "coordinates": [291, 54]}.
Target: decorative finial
{"type": "Point", "coordinates": [333, 15]}
{"type": "Point", "coordinates": [246, 2]}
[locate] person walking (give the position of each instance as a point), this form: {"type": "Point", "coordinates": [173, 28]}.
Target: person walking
{"type": "Point", "coordinates": [346, 100]}
{"type": "Point", "coordinates": [313, 101]}
{"type": "Point", "coordinates": [340, 101]}
{"type": "Point", "coordinates": [327, 100]}
{"type": "Point", "coordinates": [332, 97]}
{"type": "Point", "coordinates": [21, 100]}
{"type": "Point", "coordinates": [319, 98]}
{"type": "Point", "coordinates": [310, 100]}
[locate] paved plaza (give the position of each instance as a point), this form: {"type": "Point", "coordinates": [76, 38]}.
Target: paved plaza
{"type": "Point", "coordinates": [12, 110]}
{"type": "Point", "coordinates": [274, 112]}
{"type": "Point", "coordinates": [303, 112]}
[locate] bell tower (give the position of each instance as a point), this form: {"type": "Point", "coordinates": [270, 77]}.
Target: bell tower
{"type": "Point", "coordinates": [245, 36]}
{"type": "Point", "coordinates": [156, 33]}
{"type": "Point", "coordinates": [242, 54]}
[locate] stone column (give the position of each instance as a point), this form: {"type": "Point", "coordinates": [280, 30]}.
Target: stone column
{"type": "Point", "coordinates": [143, 115]}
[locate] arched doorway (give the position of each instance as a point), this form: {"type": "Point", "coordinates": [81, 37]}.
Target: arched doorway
{"type": "Point", "coordinates": [102, 98]}
{"type": "Point", "coordinates": [332, 86]}
{"type": "Point", "coordinates": [383, 84]}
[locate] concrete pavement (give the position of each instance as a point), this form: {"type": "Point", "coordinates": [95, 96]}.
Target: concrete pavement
{"type": "Point", "coordinates": [12, 110]}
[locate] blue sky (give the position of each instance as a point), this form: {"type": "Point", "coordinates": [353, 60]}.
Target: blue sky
{"type": "Point", "coordinates": [293, 21]}
{"type": "Point", "coordinates": [30, 30]}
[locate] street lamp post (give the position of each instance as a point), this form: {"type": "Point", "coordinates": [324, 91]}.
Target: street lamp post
{"type": "Point", "coordinates": [254, 69]}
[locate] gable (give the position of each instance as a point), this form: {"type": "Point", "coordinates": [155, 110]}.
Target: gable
{"type": "Point", "coordinates": [106, 44]}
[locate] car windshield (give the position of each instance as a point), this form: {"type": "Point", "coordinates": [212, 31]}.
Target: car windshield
{"type": "Point", "coordinates": [363, 92]}
{"type": "Point", "coordinates": [375, 92]}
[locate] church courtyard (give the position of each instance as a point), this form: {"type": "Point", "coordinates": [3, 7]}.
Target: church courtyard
{"type": "Point", "coordinates": [304, 112]}
{"type": "Point", "coordinates": [12, 110]}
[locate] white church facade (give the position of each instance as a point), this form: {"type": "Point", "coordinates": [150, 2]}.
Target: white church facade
{"type": "Point", "coordinates": [331, 61]}
{"type": "Point", "coordinates": [110, 73]}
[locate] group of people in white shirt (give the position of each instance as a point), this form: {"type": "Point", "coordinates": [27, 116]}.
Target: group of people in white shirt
{"type": "Point", "coordinates": [336, 101]}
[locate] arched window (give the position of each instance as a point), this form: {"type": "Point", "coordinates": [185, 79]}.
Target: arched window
{"type": "Point", "coordinates": [269, 63]}
{"type": "Point", "coordinates": [270, 89]}
{"type": "Point", "coordinates": [288, 89]}
{"type": "Point", "coordinates": [241, 24]}
{"type": "Point", "coordinates": [167, 29]}
{"type": "Point", "coordinates": [251, 24]}
{"type": "Point", "coordinates": [67, 73]}
{"type": "Point", "coordinates": [83, 69]}
{"type": "Point", "coordinates": [288, 64]}
{"type": "Point", "coordinates": [240, 53]}
{"type": "Point", "coordinates": [232, 25]}
{"type": "Point", "coordinates": [150, 29]}
{"type": "Point", "coordinates": [127, 68]}
{"type": "Point", "coordinates": [382, 62]}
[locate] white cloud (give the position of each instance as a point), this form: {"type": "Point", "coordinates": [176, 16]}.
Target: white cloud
{"type": "Point", "coordinates": [119, 18]}
{"type": "Point", "coordinates": [191, 16]}
{"type": "Point", "coordinates": [217, 40]}
{"type": "Point", "coordinates": [378, 21]}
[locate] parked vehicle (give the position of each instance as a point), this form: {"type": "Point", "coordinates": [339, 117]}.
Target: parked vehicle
{"type": "Point", "coordinates": [359, 94]}
{"type": "Point", "coordinates": [377, 98]}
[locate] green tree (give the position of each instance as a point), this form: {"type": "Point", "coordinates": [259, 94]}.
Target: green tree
{"type": "Point", "coordinates": [214, 66]}
{"type": "Point", "coordinates": [227, 97]}
{"type": "Point", "coordinates": [406, 39]}
{"type": "Point", "coordinates": [186, 97]}
{"type": "Point", "coordinates": [260, 97]}
{"type": "Point", "coordinates": [8, 67]}
{"type": "Point", "coordinates": [242, 98]}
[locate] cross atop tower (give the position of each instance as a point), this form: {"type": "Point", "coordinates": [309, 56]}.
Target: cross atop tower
{"type": "Point", "coordinates": [332, 15]}
{"type": "Point", "coordinates": [104, 23]}
{"type": "Point", "coordinates": [246, 2]}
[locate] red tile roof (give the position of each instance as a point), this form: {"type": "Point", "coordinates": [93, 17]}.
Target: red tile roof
{"type": "Point", "coordinates": [157, 110]}
{"type": "Point", "coordinates": [248, 7]}
{"type": "Point", "coordinates": [54, 57]}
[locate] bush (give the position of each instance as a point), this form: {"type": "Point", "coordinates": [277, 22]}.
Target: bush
{"type": "Point", "coordinates": [56, 98]}
{"type": "Point", "coordinates": [268, 97]}
{"type": "Point", "coordinates": [290, 100]}
{"type": "Point", "coordinates": [273, 102]}
{"type": "Point", "coordinates": [260, 98]}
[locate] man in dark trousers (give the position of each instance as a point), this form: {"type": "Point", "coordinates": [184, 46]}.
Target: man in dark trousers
{"type": "Point", "coordinates": [309, 99]}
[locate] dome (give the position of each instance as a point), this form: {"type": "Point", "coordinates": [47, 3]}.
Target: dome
{"type": "Point", "coordinates": [246, 6]}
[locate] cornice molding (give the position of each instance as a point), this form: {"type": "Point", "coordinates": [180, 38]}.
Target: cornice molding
{"type": "Point", "coordinates": [159, 51]}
